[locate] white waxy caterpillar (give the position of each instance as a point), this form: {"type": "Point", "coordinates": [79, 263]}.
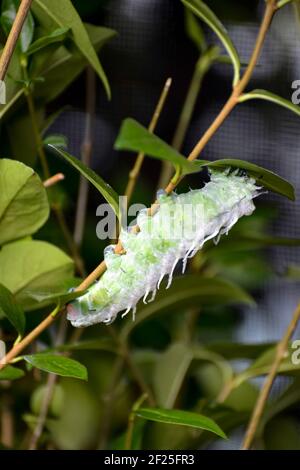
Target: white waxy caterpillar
{"type": "Point", "coordinates": [180, 227]}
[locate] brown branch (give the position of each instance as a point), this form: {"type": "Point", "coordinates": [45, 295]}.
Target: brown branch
{"type": "Point", "coordinates": [233, 100]}
{"type": "Point", "coordinates": [202, 66]}
{"type": "Point", "coordinates": [134, 173]}
{"type": "Point", "coordinates": [241, 85]}
{"type": "Point", "coordinates": [281, 349]}
{"type": "Point", "coordinates": [13, 37]}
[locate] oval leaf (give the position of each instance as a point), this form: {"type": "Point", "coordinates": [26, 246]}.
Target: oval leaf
{"type": "Point", "coordinates": [168, 380]}
{"type": "Point", "coordinates": [32, 265]}
{"type": "Point", "coordinates": [24, 204]}
{"type": "Point", "coordinates": [11, 310]}
{"type": "Point", "coordinates": [194, 31]}
{"type": "Point", "coordinates": [11, 373]}
{"type": "Point", "coordinates": [57, 36]}
{"type": "Point", "coordinates": [182, 418]}
{"type": "Point", "coordinates": [104, 188]}
{"type": "Point", "coordinates": [135, 137]}
{"type": "Point", "coordinates": [202, 10]}
{"type": "Point", "coordinates": [57, 140]}
{"type": "Point", "coordinates": [59, 365]}
{"type": "Point", "coordinates": [265, 178]}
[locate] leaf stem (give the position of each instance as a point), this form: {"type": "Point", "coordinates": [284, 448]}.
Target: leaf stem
{"type": "Point", "coordinates": [281, 349]}
{"type": "Point", "coordinates": [49, 391]}
{"type": "Point", "coordinates": [202, 66]}
{"type": "Point", "coordinates": [135, 171]}
{"type": "Point", "coordinates": [13, 37]}
{"type": "Point", "coordinates": [131, 421]}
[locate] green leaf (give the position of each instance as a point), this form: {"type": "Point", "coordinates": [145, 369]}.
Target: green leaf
{"type": "Point", "coordinates": [168, 380]}
{"type": "Point", "coordinates": [104, 188]}
{"type": "Point", "coordinates": [57, 36]}
{"type": "Point", "coordinates": [261, 240]}
{"type": "Point", "coordinates": [262, 366]}
{"type": "Point", "coordinates": [40, 266]}
{"type": "Point", "coordinates": [135, 137]}
{"type": "Point", "coordinates": [201, 9]}
{"type": "Point", "coordinates": [194, 31]}
{"type": "Point", "coordinates": [293, 272]}
{"type": "Point", "coordinates": [11, 310]}
{"type": "Point", "coordinates": [11, 373]}
{"type": "Point", "coordinates": [19, 130]}
{"type": "Point", "coordinates": [59, 365]}
{"type": "Point", "coordinates": [187, 291]}
{"type": "Point", "coordinates": [49, 296]}
{"type": "Point", "coordinates": [239, 350]}
{"type": "Point", "coordinates": [57, 140]}
{"type": "Point", "coordinates": [282, 3]}
{"type": "Point", "coordinates": [24, 205]}
{"type": "Point", "coordinates": [62, 14]}
{"type": "Point", "coordinates": [289, 398]}
{"type": "Point", "coordinates": [268, 96]}
{"type": "Point", "coordinates": [182, 418]}
{"type": "Point", "coordinates": [265, 178]}
{"type": "Point", "coordinates": [8, 14]}
{"type": "Point", "coordinates": [59, 69]}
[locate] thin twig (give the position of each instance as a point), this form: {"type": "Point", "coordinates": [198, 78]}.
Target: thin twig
{"type": "Point", "coordinates": [49, 391]}
{"type": "Point", "coordinates": [13, 37]}
{"type": "Point", "coordinates": [134, 173]}
{"type": "Point", "coordinates": [86, 152]}
{"type": "Point", "coordinates": [203, 64]}
{"type": "Point", "coordinates": [131, 421]}
{"type": "Point", "coordinates": [132, 366]}
{"type": "Point", "coordinates": [53, 180]}
{"type": "Point", "coordinates": [281, 350]}
{"type": "Point", "coordinates": [270, 9]}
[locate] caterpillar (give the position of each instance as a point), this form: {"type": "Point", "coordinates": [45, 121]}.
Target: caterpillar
{"type": "Point", "coordinates": [180, 227]}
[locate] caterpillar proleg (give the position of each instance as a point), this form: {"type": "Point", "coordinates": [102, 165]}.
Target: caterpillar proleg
{"type": "Point", "coordinates": [180, 227]}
